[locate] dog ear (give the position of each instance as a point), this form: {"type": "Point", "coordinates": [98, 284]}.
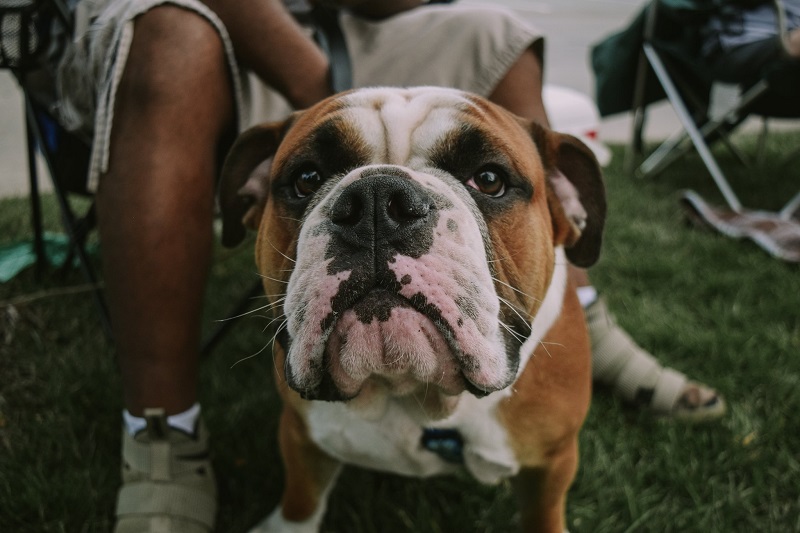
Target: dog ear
{"type": "Point", "coordinates": [576, 194]}
{"type": "Point", "coordinates": [244, 182]}
{"type": "Point", "coordinates": [578, 181]}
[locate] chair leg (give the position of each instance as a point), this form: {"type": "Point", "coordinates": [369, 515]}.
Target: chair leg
{"type": "Point", "coordinates": [791, 207]}
{"type": "Point", "coordinates": [36, 201]}
{"type": "Point", "coordinates": [68, 219]}
{"type": "Point", "coordinates": [636, 146]}
{"type": "Point", "coordinates": [694, 133]}
{"type": "Point", "coordinates": [673, 148]}
{"type": "Point", "coordinates": [762, 141]}
{"type": "Point", "coordinates": [77, 244]}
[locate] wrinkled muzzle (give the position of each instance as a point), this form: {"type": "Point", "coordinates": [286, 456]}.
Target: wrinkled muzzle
{"type": "Point", "coordinates": [392, 286]}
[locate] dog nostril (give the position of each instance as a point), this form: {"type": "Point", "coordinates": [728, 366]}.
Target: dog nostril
{"type": "Point", "coordinates": [402, 208]}
{"type": "Point", "coordinates": [348, 211]}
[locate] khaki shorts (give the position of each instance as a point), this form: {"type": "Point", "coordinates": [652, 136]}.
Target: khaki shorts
{"type": "Point", "coordinates": [467, 47]}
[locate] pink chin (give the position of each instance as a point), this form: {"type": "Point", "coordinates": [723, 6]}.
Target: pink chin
{"type": "Point", "coordinates": [405, 354]}
{"type": "Point", "coordinates": [430, 403]}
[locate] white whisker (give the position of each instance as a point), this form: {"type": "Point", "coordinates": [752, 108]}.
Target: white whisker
{"type": "Point", "coordinates": [262, 296]}
{"type": "Point", "coordinates": [527, 320]}
{"type": "Point", "coordinates": [498, 260]}
{"type": "Point", "coordinates": [271, 342]}
{"type": "Point", "coordinates": [501, 282]}
{"type": "Point", "coordinates": [250, 356]}
{"type": "Point", "coordinates": [543, 345]}
{"type": "Point", "coordinates": [269, 306]}
{"type": "Point", "coordinates": [262, 276]}
{"type": "Point", "coordinates": [516, 335]}
{"type": "Point", "coordinates": [278, 330]}
{"type": "Point", "coordinates": [272, 320]}
{"type": "Point", "coordinates": [280, 252]}
{"type": "Point", "coordinates": [551, 343]}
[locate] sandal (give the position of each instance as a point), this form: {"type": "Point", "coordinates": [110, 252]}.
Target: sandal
{"type": "Point", "coordinates": [639, 379]}
{"type": "Point", "coordinates": [167, 480]}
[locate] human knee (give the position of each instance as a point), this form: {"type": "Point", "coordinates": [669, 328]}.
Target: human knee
{"type": "Point", "coordinates": [173, 49]}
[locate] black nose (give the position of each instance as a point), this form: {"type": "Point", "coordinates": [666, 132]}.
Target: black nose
{"type": "Point", "coordinates": [380, 208]}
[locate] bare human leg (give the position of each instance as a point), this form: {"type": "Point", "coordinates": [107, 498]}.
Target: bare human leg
{"type": "Point", "coordinates": [155, 203]}
{"type": "Point", "coordinates": [173, 113]}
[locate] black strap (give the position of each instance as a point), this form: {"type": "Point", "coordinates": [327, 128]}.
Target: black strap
{"type": "Point", "coordinates": [330, 38]}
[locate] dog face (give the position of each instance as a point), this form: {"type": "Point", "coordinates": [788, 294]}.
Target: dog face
{"type": "Point", "coordinates": [412, 233]}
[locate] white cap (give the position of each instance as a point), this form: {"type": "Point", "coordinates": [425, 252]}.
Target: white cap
{"type": "Point", "coordinates": [575, 113]}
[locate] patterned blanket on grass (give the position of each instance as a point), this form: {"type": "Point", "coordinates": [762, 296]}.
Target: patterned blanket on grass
{"type": "Point", "coordinates": [778, 235]}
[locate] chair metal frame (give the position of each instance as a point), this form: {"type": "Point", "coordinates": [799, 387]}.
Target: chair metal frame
{"type": "Point", "coordinates": [693, 136]}
{"type": "Point", "coordinates": [42, 131]}
{"type": "Point", "coordinates": [77, 227]}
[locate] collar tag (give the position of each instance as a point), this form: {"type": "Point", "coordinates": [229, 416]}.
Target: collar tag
{"type": "Point", "coordinates": [446, 443]}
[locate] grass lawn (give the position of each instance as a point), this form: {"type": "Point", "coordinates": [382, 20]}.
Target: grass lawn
{"type": "Point", "coordinates": [722, 311]}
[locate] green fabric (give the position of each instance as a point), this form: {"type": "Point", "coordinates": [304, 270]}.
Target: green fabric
{"type": "Point", "coordinates": [615, 59]}
{"type": "Point", "coordinates": [17, 256]}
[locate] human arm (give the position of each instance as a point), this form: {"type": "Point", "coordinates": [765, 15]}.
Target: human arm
{"type": "Point", "coordinates": [268, 40]}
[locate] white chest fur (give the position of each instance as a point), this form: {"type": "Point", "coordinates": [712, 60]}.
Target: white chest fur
{"type": "Point", "coordinates": [392, 442]}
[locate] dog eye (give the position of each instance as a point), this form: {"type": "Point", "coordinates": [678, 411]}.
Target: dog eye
{"type": "Point", "coordinates": [307, 182]}
{"type": "Point", "coordinates": [489, 182]}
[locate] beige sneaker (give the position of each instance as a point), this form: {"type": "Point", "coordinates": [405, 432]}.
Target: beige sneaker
{"type": "Point", "coordinates": [167, 480]}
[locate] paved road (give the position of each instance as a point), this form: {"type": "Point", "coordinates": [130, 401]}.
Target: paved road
{"type": "Point", "coordinates": [570, 26]}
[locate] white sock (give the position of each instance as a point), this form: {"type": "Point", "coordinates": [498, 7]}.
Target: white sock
{"type": "Point", "coordinates": [587, 295]}
{"type": "Point", "coordinates": [184, 421]}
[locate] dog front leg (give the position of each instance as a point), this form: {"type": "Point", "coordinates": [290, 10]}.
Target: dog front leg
{"type": "Point", "coordinates": [309, 476]}
{"type": "Point", "coordinates": [542, 492]}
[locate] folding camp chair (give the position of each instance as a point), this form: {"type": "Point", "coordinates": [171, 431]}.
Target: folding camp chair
{"type": "Point", "coordinates": [25, 42]}
{"type": "Point", "coordinates": [24, 45]}
{"type": "Point", "coordinates": [657, 58]}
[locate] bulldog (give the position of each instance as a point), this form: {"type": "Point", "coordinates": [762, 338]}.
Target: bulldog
{"type": "Point", "coordinates": [414, 244]}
